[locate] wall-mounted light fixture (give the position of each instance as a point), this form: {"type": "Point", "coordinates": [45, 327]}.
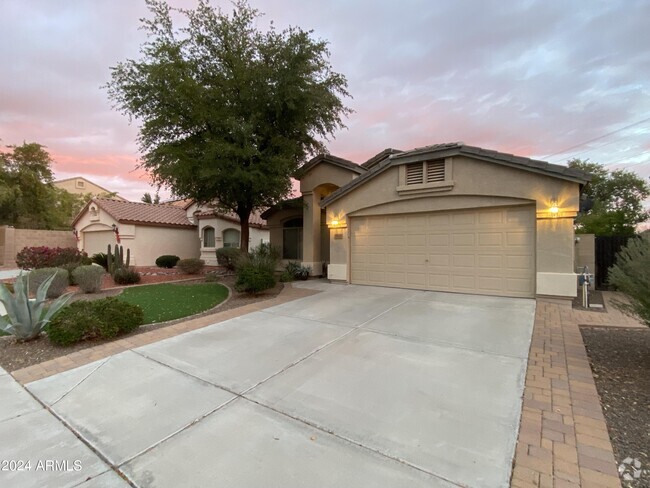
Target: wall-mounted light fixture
{"type": "Point", "coordinates": [337, 221]}
{"type": "Point", "coordinates": [554, 209]}
{"type": "Point", "coordinates": [117, 233]}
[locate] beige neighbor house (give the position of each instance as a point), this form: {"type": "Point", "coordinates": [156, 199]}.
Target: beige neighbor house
{"type": "Point", "coordinates": [183, 229]}
{"type": "Point", "coordinates": [447, 217]}
{"type": "Point", "coordinates": [78, 185]}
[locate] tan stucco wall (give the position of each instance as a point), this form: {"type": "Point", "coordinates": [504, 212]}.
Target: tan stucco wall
{"type": "Point", "coordinates": [585, 252]}
{"type": "Point", "coordinates": [476, 184]}
{"type": "Point", "coordinates": [208, 254]}
{"type": "Point", "coordinates": [145, 242]}
{"type": "Point", "coordinates": [70, 185]}
{"type": "Point", "coordinates": [325, 173]}
{"type": "Point", "coordinates": [12, 241]}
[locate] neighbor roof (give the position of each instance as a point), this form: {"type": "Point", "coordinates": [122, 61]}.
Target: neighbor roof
{"type": "Point", "coordinates": [284, 204]}
{"type": "Point", "coordinates": [255, 219]}
{"type": "Point", "coordinates": [456, 149]}
{"type": "Point", "coordinates": [140, 213]}
{"type": "Point", "coordinates": [328, 158]}
{"type": "Point", "coordinates": [379, 157]}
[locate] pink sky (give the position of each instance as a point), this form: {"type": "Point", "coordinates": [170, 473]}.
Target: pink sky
{"type": "Point", "coordinates": [529, 77]}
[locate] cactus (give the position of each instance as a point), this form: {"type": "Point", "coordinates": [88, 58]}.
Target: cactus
{"type": "Point", "coordinates": [116, 259]}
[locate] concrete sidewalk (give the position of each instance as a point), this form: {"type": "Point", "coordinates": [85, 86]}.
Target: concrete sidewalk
{"type": "Point", "coordinates": [354, 386]}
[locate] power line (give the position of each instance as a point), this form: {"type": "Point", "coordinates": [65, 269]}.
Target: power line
{"type": "Point", "coordinates": [596, 139]}
{"type": "Point", "coordinates": [630, 157]}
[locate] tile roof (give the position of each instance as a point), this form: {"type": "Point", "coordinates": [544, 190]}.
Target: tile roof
{"type": "Point", "coordinates": [142, 213]}
{"type": "Point", "coordinates": [335, 160]}
{"type": "Point", "coordinates": [379, 157]}
{"type": "Point", "coordinates": [460, 148]}
{"type": "Point", "coordinates": [255, 219]}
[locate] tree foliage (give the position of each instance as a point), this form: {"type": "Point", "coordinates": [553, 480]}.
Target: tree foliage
{"type": "Point", "coordinates": [146, 198]}
{"type": "Point", "coordinates": [28, 199]}
{"type": "Point", "coordinates": [617, 201]}
{"type": "Point", "coordinates": [228, 112]}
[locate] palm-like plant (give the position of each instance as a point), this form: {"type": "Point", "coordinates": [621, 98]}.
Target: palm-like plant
{"type": "Point", "coordinates": [27, 318]}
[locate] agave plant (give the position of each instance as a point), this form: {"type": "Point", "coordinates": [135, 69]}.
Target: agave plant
{"type": "Point", "coordinates": [26, 318]}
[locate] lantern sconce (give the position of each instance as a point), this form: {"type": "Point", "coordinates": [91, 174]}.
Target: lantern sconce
{"type": "Point", "coordinates": [554, 209]}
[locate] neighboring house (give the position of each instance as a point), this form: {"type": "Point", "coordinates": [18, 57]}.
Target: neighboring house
{"type": "Point", "coordinates": [151, 230]}
{"type": "Point", "coordinates": [447, 217]}
{"type": "Point", "coordinates": [79, 185]}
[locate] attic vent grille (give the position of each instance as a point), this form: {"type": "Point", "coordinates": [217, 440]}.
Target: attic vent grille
{"type": "Point", "coordinates": [414, 174]}
{"type": "Point", "coordinates": [435, 171]}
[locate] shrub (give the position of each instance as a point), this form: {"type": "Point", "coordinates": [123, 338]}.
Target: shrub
{"type": "Point", "coordinates": [70, 267]}
{"type": "Point", "coordinates": [26, 318]}
{"type": "Point", "coordinates": [631, 275]}
{"type": "Point", "coordinates": [100, 258]}
{"type": "Point", "coordinates": [212, 277]}
{"type": "Point", "coordinates": [58, 285]}
{"type": "Point", "coordinates": [89, 278]}
{"type": "Point", "coordinates": [167, 261]}
{"type": "Point", "coordinates": [191, 265]}
{"type": "Point", "coordinates": [49, 257]}
{"type": "Point", "coordinates": [256, 272]}
{"type": "Point", "coordinates": [293, 270]}
{"type": "Point", "coordinates": [228, 257]}
{"type": "Point", "coordinates": [126, 276]}
{"type": "Point", "coordinates": [96, 319]}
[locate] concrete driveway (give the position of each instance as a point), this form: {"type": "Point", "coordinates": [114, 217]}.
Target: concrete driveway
{"type": "Point", "coordinates": [355, 386]}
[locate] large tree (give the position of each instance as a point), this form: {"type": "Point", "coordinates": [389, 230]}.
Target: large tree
{"type": "Point", "coordinates": [617, 201]}
{"type": "Point", "coordinates": [228, 112]}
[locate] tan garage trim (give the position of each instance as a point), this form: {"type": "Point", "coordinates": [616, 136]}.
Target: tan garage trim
{"type": "Point", "coordinates": [485, 251]}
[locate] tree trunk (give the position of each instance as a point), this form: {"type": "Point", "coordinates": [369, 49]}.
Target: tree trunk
{"type": "Point", "coordinates": [244, 216]}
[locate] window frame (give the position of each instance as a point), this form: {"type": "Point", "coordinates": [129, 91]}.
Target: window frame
{"type": "Point", "coordinates": [289, 227]}
{"type": "Point", "coordinates": [229, 244]}
{"type": "Point", "coordinates": [214, 237]}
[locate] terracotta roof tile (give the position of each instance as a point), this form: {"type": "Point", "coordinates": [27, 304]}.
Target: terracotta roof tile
{"type": "Point", "coordinates": [144, 213]}
{"type": "Point", "coordinates": [255, 219]}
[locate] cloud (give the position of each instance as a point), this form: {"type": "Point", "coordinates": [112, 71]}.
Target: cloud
{"type": "Point", "coordinates": [528, 76]}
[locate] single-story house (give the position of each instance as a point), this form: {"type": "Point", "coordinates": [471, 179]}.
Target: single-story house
{"type": "Point", "coordinates": [184, 229]}
{"type": "Point", "coordinates": [446, 217]}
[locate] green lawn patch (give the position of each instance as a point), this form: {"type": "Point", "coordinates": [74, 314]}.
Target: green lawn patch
{"type": "Point", "coordinates": [170, 301]}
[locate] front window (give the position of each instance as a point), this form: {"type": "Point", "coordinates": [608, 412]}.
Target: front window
{"type": "Point", "coordinates": [231, 238]}
{"type": "Point", "coordinates": [208, 237]}
{"type": "Point", "coordinates": [292, 239]}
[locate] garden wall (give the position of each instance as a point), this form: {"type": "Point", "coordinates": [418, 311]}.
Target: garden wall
{"type": "Point", "coordinates": [13, 240]}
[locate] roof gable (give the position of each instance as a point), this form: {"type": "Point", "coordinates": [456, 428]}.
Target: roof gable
{"type": "Point", "coordinates": [460, 149]}
{"type": "Point", "coordinates": [140, 213]}
{"type": "Point", "coordinates": [329, 159]}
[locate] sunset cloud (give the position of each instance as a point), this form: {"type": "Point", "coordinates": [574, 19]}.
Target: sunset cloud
{"type": "Point", "coordinates": [529, 77]}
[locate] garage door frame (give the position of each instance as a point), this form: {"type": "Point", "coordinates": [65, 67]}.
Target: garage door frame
{"type": "Point", "coordinates": [516, 256]}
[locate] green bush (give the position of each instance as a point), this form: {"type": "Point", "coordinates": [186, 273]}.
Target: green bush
{"type": "Point", "coordinates": [89, 278]}
{"type": "Point", "coordinates": [256, 272]}
{"type": "Point", "coordinates": [126, 276]}
{"type": "Point", "coordinates": [293, 270]}
{"type": "Point", "coordinates": [228, 257]}
{"type": "Point", "coordinates": [100, 258]}
{"type": "Point", "coordinates": [96, 319]}
{"type": "Point", "coordinates": [70, 267]}
{"type": "Point", "coordinates": [212, 277]}
{"type": "Point", "coordinates": [191, 265]}
{"type": "Point", "coordinates": [631, 275]}
{"type": "Point", "coordinates": [58, 286]}
{"type": "Point", "coordinates": [167, 261]}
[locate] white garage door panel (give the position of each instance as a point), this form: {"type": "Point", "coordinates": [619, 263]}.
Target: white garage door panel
{"type": "Point", "coordinates": [95, 242]}
{"type": "Point", "coordinates": [487, 251]}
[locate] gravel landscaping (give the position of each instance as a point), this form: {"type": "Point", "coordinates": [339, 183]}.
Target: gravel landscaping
{"type": "Point", "coordinates": [16, 355]}
{"type": "Point", "coordinates": [620, 361]}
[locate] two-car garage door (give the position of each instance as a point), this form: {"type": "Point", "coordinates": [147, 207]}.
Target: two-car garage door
{"type": "Point", "coordinates": [486, 251]}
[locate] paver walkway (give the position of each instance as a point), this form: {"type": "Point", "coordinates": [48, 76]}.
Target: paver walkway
{"type": "Point", "coordinates": [563, 439]}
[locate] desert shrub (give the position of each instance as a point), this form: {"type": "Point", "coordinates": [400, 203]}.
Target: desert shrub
{"type": "Point", "coordinates": [212, 277]}
{"type": "Point", "coordinates": [126, 276]}
{"type": "Point", "coordinates": [96, 319]}
{"type": "Point", "coordinates": [70, 267]}
{"type": "Point", "coordinates": [49, 257]}
{"type": "Point", "coordinates": [631, 275]}
{"type": "Point", "coordinates": [256, 272]}
{"type": "Point", "coordinates": [89, 278]}
{"type": "Point", "coordinates": [58, 285]}
{"type": "Point", "coordinates": [293, 270]}
{"type": "Point", "coordinates": [167, 261]}
{"type": "Point", "coordinates": [191, 265]}
{"type": "Point", "coordinates": [228, 257]}
{"type": "Point", "coordinates": [100, 258]}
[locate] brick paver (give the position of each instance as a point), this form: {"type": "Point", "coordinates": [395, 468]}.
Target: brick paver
{"type": "Point", "coordinates": [563, 439]}
{"type": "Point", "coordinates": [85, 356]}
